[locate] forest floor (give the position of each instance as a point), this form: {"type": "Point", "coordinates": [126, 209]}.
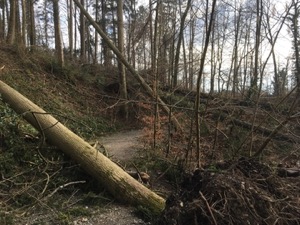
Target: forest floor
{"type": "Point", "coordinates": [123, 148]}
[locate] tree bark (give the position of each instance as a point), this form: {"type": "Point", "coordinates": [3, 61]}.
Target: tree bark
{"type": "Point", "coordinates": [253, 93]}
{"type": "Point", "coordinates": [57, 32]}
{"type": "Point", "coordinates": [180, 38]}
{"type": "Point", "coordinates": [31, 30]}
{"type": "Point", "coordinates": [24, 22]}
{"type": "Point", "coordinates": [122, 72]}
{"type": "Point", "coordinates": [11, 33]}
{"type": "Point", "coordinates": [82, 36]}
{"type": "Point", "coordinates": [70, 27]}
{"type": "Point", "coordinates": [202, 62]}
{"type": "Point", "coordinates": [120, 184]}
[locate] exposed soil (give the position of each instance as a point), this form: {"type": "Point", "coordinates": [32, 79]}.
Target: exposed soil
{"type": "Point", "coordinates": [122, 146]}
{"type": "Point", "coordinates": [113, 214]}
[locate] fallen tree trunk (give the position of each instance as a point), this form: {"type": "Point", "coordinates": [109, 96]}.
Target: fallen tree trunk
{"type": "Point", "coordinates": [259, 129]}
{"type": "Point", "coordinates": [120, 184]}
{"type": "Point", "coordinates": [264, 131]}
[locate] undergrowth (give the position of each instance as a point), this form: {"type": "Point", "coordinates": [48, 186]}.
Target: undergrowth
{"type": "Point", "coordinates": [36, 176]}
{"type": "Point", "coordinates": [38, 182]}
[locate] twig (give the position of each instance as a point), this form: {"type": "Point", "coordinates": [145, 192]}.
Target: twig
{"type": "Point", "coordinates": [138, 172]}
{"type": "Point", "coordinates": [274, 132]}
{"type": "Point", "coordinates": [46, 185]}
{"type": "Point", "coordinates": [269, 138]}
{"type": "Point", "coordinates": [63, 186]}
{"type": "Point", "coordinates": [95, 144]}
{"type": "Point", "coordinates": [208, 207]}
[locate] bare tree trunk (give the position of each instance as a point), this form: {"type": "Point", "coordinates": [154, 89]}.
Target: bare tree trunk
{"type": "Point", "coordinates": [24, 21]}
{"type": "Point", "coordinates": [46, 19]}
{"type": "Point", "coordinates": [18, 38]}
{"type": "Point", "coordinates": [272, 38]}
{"type": "Point", "coordinates": [197, 103]}
{"type": "Point", "coordinates": [107, 60]}
{"type": "Point", "coordinates": [154, 66]}
{"type": "Point", "coordinates": [75, 30]}
{"type": "Point", "coordinates": [121, 66]}
{"type": "Point", "coordinates": [213, 61]}
{"type": "Point", "coordinates": [120, 184]}
{"type": "Point", "coordinates": [11, 33]}
{"type": "Point", "coordinates": [31, 30]}
{"type": "Point", "coordinates": [236, 54]}
{"type": "Point", "coordinates": [131, 37]}
{"type": "Point", "coordinates": [191, 54]}
{"type": "Point", "coordinates": [2, 22]}
{"type": "Point", "coordinates": [153, 38]}
{"type": "Point", "coordinates": [185, 65]}
{"type": "Point", "coordinates": [180, 37]}
{"type": "Point", "coordinates": [96, 33]}
{"type": "Point", "coordinates": [82, 36]}
{"type": "Point", "coordinates": [296, 33]}
{"type": "Point", "coordinates": [253, 91]}
{"type": "Point", "coordinates": [70, 26]}
{"type": "Point", "coordinates": [58, 41]}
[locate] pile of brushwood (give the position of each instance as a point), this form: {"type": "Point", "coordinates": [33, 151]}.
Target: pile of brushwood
{"type": "Point", "coordinates": [241, 192]}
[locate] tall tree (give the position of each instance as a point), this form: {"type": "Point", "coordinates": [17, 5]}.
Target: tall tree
{"type": "Point", "coordinates": [191, 53]}
{"type": "Point", "coordinates": [294, 18]}
{"type": "Point", "coordinates": [46, 19]}
{"type": "Point", "coordinates": [57, 33]}
{"type": "Point", "coordinates": [237, 17]}
{"type": "Point", "coordinates": [121, 66]}
{"type": "Point", "coordinates": [107, 58]}
{"type": "Point", "coordinates": [179, 42]}
{"type": "Point", "coordinates": [70, 26]}
{"type": "Point", "coordinates": [222, 19]}
{"type": "Point", "coordinates": [19, 39]}
{"type": "Point", "coordinates": [202, 63]}
{"type": "Point", "coordinates": [24, 21]}
{"type": "Point", "coordinates": [272, 38]}
{"type": "Point", "coordinates": [96, 33]}
{"type": "Point", "coordinates": [2, 20]}
{"type": "Point", "coordinates": [253, 91]}
{"type": "Point", "coordinates": [213, 63]}
{"type": "Point", "coordinates": [132, 23]}
{"type": "Point", "coordinates": [12, 24]}
{"type": "Point", "coordinates": [82, 35]}
{"type": "Point", "coordinates": [31, 23]}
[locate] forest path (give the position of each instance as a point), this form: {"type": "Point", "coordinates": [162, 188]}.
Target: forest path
{"type": "Point", "coordinates": [121, 147]}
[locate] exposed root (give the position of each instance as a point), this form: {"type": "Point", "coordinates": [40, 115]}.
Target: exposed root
{"type": "Point", "coordinates": [248, 192]}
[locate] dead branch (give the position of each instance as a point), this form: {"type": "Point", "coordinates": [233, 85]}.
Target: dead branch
{"type": "Point", "coordinates": [208, 207]}
{"type": "Point", "coordinates": [61, 187]}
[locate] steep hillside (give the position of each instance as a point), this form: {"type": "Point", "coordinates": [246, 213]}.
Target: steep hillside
{"type": "Point", "coordinates": [74, 93]}
{"type": "Point", "coordinates": [39, 183]}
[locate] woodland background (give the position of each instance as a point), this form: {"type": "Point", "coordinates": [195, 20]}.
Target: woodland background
{"type": "Point", "coordinates": [215, 86]}
{"type": "Point", "coordinates": [244, 44]}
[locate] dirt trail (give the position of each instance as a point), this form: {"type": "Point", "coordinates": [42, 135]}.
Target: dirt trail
{"type": "Point", "coordinates": [122, 146]}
